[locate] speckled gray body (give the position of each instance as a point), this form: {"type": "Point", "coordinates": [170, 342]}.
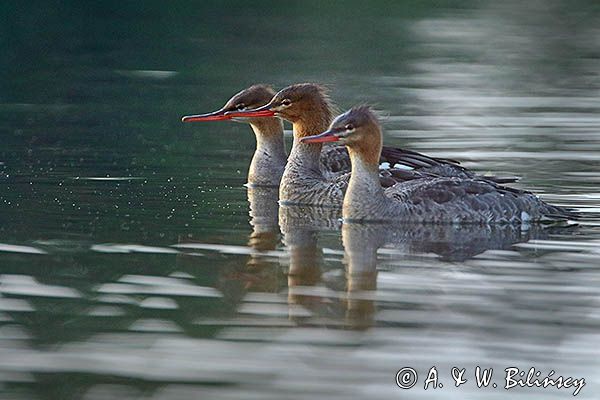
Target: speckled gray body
{"type": "Point", "coordinates": [304, 183]}
{"type": "Point", "coordinates": [334, 161]}
{"type": "Point", "coordinates": [320, 177]}
{"type": "Point", "coordinates": [441, 200]}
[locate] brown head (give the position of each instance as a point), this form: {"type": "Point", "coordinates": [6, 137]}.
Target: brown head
{"type": "Point", "coordinates": [304, 104]}
{"type": "Point", "coordinates": [253, 97]}
{"type": "Point", "coordinates": [359, 130]}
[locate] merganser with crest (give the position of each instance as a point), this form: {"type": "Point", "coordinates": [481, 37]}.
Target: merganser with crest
{"type": "Point", "coordinates": [434, 199]}
{"type": "Point", "coordinates": [269, 159]}
{"type": "Point", "coordinates": [308, 107]}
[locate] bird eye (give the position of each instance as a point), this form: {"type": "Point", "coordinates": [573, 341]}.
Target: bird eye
{"type": "Point", "coordinates": [240, 106]}
{"type": "Point", "coordinates": [349, 127]}
{"type": "Point", "coordinates": [286, 102]}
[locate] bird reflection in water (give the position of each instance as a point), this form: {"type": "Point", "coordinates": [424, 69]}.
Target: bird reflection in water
{"type": "Point", "coordinates": [361, 243]}
{"type": "Point", "coordinates": [301, 227]}
{"type": "Point", "coordinates": [260, 272]}
{"type": "Point", "coordinates": [319, 296]}
{"type": "Point", "coordinates": [264, 274]}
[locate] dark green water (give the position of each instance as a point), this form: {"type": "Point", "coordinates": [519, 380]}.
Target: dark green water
{"type": "Point", "coordinates": [131, 268]}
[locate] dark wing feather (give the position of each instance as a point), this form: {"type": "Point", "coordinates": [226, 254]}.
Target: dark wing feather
{"type": "Point", "coordinates": [472, 200]}
{"type": "Point", "coordinates": [335, 161]}
{"type": "Point", "coordinates": [398, 155]}
{"type": "Point", "coordinates": [433, 166]}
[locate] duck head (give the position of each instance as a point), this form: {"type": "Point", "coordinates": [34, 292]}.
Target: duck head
{"type": "Point", "coordinates": [299, 103]}
{"type": "Point", "coordinates": [358, 129]}
{"type": "Point", "coordinates": [253, 97]}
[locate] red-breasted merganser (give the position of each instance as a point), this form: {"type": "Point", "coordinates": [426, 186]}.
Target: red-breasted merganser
{"type": "Point", "coordinates": [435, 199]}
{"type": "Point", "coordinates": [269, 159]}
{"type": "Point", "coordinates": [268, 162]}
{"type": "Point", "coordinates": [308, 107]}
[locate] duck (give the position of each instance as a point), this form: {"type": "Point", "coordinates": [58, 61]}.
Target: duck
{"type": "Point", "coordinates": [436, 199]}
{"type": "Point", "coordinates": [309, 108]}
{"type": "Point", "coordinates": [269, 159]}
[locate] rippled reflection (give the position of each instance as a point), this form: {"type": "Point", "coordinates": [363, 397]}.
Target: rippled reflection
{"type": "Point", "coordinates": [131, 268]}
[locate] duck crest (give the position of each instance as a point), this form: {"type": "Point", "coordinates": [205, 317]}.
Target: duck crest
{"type": "Point", "coordinates": [313, 115]}
{"type": "Point", "coordinates": [314, 111]}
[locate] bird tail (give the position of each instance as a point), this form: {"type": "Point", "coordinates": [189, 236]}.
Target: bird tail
{"type": "Point", "coordinates": [559, 213]}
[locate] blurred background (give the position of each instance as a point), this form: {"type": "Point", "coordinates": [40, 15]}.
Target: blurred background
{"type": "Point", "coordinates": [129, 265]}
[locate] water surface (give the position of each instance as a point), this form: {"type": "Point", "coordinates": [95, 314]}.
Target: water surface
{"type": "Point", "coordinates": [135, 264]}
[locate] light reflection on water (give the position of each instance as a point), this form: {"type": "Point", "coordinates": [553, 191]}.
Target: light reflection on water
{"type": "Point", "coordinates": [392, 297]}
{"type": "Point", "coordinates": [136, 265]}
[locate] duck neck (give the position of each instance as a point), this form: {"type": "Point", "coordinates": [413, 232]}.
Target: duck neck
{"type": "Point", "coordinates": [364, 197]}
{"type": "Point", "coordinates": [305, 158]}
{"type": "Point", "coordinates": [269, 157]}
